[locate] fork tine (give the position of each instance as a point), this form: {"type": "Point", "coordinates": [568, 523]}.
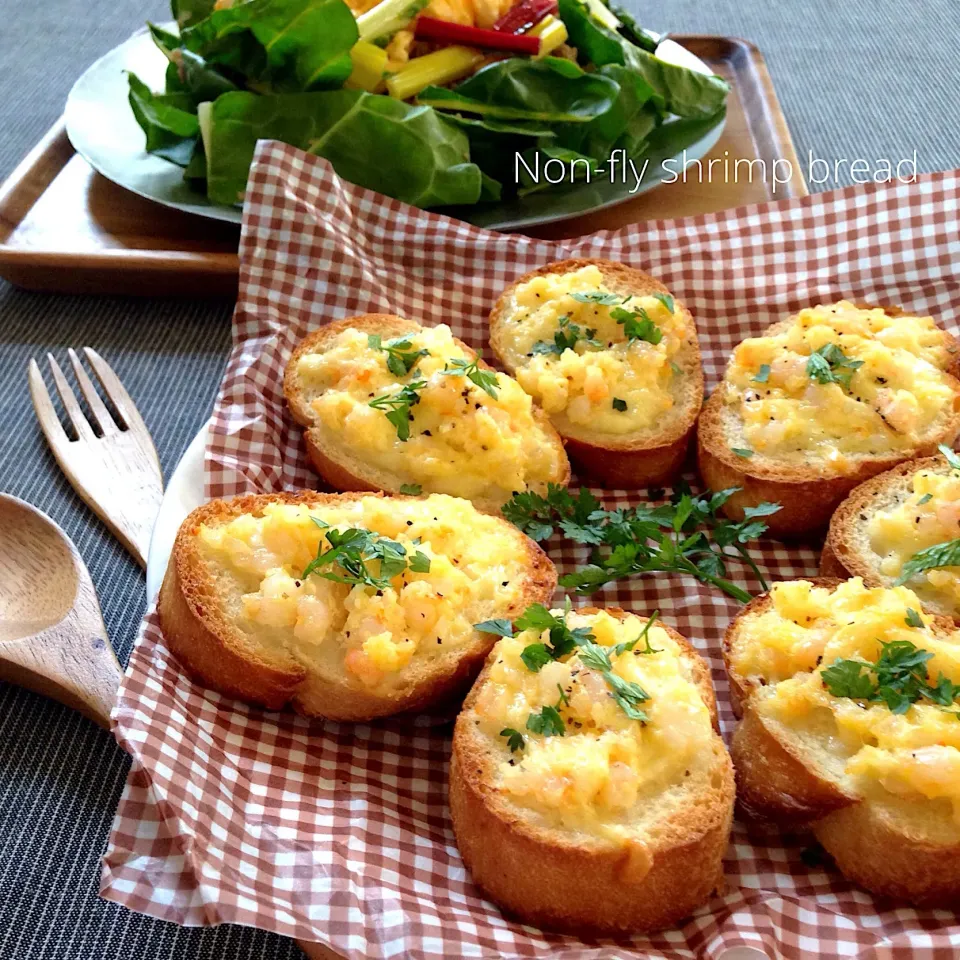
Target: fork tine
{"type": "Point", "coordinates": [79, 421]}
{"type": "Point", "coordinates": [44, 408]}
{"type": "Point", "coordinates": [100, 413]}
{"type": "Point", "coordinates": [116, 392]}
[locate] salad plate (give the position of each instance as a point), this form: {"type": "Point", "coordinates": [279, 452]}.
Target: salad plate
{"type": "Point", "coordinates": [104, 131]}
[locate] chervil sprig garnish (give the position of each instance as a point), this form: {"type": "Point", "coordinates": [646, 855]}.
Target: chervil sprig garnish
{"type": "Point", "coordinates": [485, 379]}
{"type": "Point", "coordinates": [515, 739]}
{"type": "Point", "coordinates": [397, 406]}
{"type": "Point", "coordinates": [352, 553]}
{"type": "Point", "coordinates": [830, 364]}
{"type": "Point", "coordinates": [401, 357]}
{"type": "Point", "coordinates": [899, 679]}
{"type": "Point", "coordinates": [686, 535]}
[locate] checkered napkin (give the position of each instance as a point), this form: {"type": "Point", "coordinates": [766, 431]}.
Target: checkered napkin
{"type": "Point", "coordinates": [340, 833]}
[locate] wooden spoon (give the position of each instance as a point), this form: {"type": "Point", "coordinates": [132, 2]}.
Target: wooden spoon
{"type": "Point", "coordinates": [52, 637]}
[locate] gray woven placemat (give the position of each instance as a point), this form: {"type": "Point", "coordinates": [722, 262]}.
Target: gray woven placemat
{"type": "Point", "coordinates": [855, 81]}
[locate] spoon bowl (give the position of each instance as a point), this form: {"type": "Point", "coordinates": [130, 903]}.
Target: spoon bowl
{"type": "Point", "coordinates": [52, 636]}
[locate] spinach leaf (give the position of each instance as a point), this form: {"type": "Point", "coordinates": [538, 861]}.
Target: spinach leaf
{"type": "Point", "coordinates": [281, 45]}
{"type": "Point", "coordinates": [683, 92]}
{"type": "Point", "coordinates": [516, 89]}
{"type": "Point", "coordinates": [429, 158]}
{"type": "Point", "coordinates": [166, 119]}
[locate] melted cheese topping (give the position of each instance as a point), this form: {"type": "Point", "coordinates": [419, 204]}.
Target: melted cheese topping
{"type": "Point", "coordinates": [894, 399]}
{"type": "Point", "coordinates": [929, 515]}
{"type": "Point", "coordinates": [462, 441]}
{"type": "Point", "coordinates": [582, 382]}
{"type": "Point", "coordinates": [807, 629]}
{"type": "Point", "coordinates": [476, 573]}
{"type": "Point", "coordinates": [605, 764]}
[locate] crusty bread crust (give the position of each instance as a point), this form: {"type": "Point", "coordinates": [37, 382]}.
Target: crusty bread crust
{"type": "Point", "coordinates": [217, 654]}
{"type": "Point", "coordinates": [540, 874]}
{"type": "Point", "coordinates": [846, 552]}
{"type": "Point", "coordinates": [631, 461]}
{"type": "Point", "coordinates": [807, 498]}
{"type": "Point", "coordinates": [872, 849]}
{"type": "Point", "coordinates": [333, 460]}
{"type": "Point", "coordinates": [777, 784]}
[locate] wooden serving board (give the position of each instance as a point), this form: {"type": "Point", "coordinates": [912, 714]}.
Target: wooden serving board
{"type": "Point", "coordinates": [66, 229]}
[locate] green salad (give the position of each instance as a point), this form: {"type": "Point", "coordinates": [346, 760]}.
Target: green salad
{"type": "Point", "coordinates": [430, 112]}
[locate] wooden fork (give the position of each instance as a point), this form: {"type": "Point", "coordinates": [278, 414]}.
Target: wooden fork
{"type": "Point", "coordinates": [116, 472]}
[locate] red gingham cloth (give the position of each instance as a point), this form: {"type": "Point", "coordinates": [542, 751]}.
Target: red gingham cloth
{"type": "Point", "coordinates": [340, 833]}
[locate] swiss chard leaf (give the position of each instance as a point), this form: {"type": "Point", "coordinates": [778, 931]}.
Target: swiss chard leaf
{"type": "Point", "coordinates": [681, 91]}
{"type": "Point", "coordinates": [286, 45]}
{"type": "Point", "coordinates": [551, 89]}
{"type": "Point", "coordinates": [354, 130]}
{"type": "Point", "coordinates": [166, 119]}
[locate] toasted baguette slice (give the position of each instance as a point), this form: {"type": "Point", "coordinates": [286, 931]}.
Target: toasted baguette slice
{"type": "Point", "coordinates": [341, 459]}
{"type": "Point", "coordinates": [797, 768]}
{"type": "Point", "coordinates": [849, 550]}
{"type": "Point", "coordinates": [652, 455]}
{"type": "Point", "coordinates": [273, 640]}
{"type": "Point", "coordinates": [808, 490]}
{"type": "Point", "coordinates": [640, 866]}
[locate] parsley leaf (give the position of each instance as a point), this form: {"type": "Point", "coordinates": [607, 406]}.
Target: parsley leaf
{"type": "Point", "coordinates": [486, 380]}
{"type": "Point", "coordinates": [683, 536]}
{"type": "Point", "coordinates": [951, 456]}
{"type": "Point", "coordinates": [744, 452]}
{"type": "Point", "coordinates": [845, 678]}
{"type": "Point", "coordinates": [548, 722]}
{"type": "Point", "coordinates": [397, 406]}
{"type": "Point", "coordinates": [931, 558]}
{"type": "Point", "coordinates": [619, 404]}
{"type": "Point", "coordinates": [536, 656]}
{"type": "Point", "coordinates": [350, 555]}
{"type": "Point", "coordinates": [830, 364]}
{"type": "Point", "coordinates": [563, 640]}
{"type": "Point", "coordinates": [411, 489]}
{"type": "Point", "coordinates": [514, 738]}
{"type": "Point", "coordinates": [913, 618]}
{"type": "Point", "coordinates": [501, 628]}
{"type": "Point", "coordinates": [420, 563]}
{"type": "Point", "coordinates": [598, 296]}
{"type": "Point", "coordinates": [628, 695]}
{"type": "Point", "coordinates": [401, 357]}
{"type": "Point", "coordinates": [637, 325]}
{"type": "Point", "coordinates": [666, 300]}
{"type": "Point", "coordinates": [644, 635]}
{"type": "Point", "coordinates": [898, 679]}
{"type": "Point", "coordinates": [926, 498]}
{"type": "Point", "coordinates": [566, 338]}
{"type": "Point", "coordinates": [763, 374]}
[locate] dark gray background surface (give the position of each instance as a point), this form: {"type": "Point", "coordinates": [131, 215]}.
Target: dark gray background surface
{"type": "Point", "coordinates": [874, 80]}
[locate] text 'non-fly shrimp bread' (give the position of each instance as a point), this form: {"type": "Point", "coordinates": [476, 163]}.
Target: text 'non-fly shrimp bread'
{"type": "Point", "coordinates": [388, 404]}
{"type": "Point", "coordinates": [347, 606]}
{"type": "Point", "coordinates": [589, 789]}
{"type": "Point", "coordinates": [823, 401]}
{"type": "Point", "coordinates": [612, 358]}
{"type": "Point", "coordinates": [850, 727]}
{"type": "Point", "coordinates": [903, 526]}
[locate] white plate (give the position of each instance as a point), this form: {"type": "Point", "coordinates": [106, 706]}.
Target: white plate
{"type": "Point", "coordinates": [103, 130]}
{"type": "Point", "coordinates": [184, 493]}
